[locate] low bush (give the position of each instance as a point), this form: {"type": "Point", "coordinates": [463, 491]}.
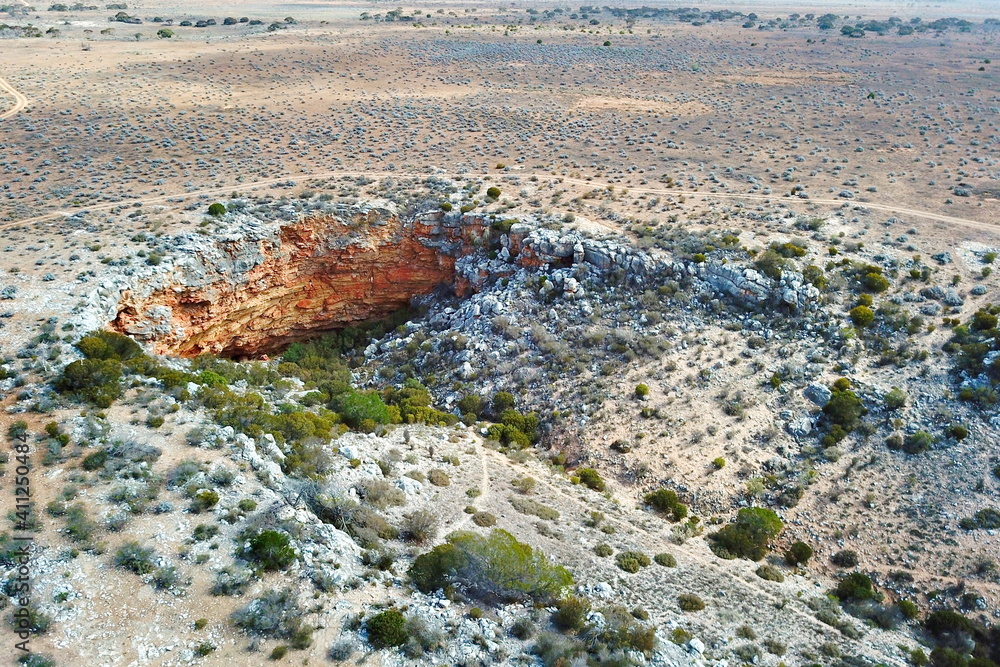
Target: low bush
{"type": "Point", "coordinates": [986, 519]}
{"type": "Point", "coordinates": [534, 508]}
{"type": "Point", "coordinates": [32, 619]}
{"type": "Point", "coordinates": [665, 559]}
{"type": "Point", "coordinates": [95, 381]}
{"type": "Point", "coordinates": [665, 502]}
{"type": "Point", "coordinates": [438, 477]}
{"type": "Point", "coordinates": [232, 580]}
{"type": "Point", "coordinates": [269, 550]}
{"type": "Point", "coordinates": [79, 527]}
{"type": "Point", "coordinates": [748, 536]}
{"type": "Point", "coordinates": [484, 519]}
{"type": "Point", "coordinates": [591, 479]}
{"type": "Point", "coordinates": [770, 573]}
{"type": "Point", "coordinates": [523, 628]}
{"type": "Point", "coordinates": [631, 561]}
{"type": "Point", "coordinates": [165, 578]}
{"type": "Point", "coordinates": [855, 587]}
{"type": "Point", "coordinates": [204, 500]}
{"type": "Point", "coordinates": [135, 558]}
{"type": "Point", "coordinates": [420, 526]}
{"type": "Point", "coordinates": [381, 494]}
{"type": "Point", "coordinates": [845, 558]}
{"type": "Point", "coordinates": [494, 568]}
{"type": "Point", "coordinates": [276, 615]}
{"type": "Point", "coordinates": [798, 554]}
{"type": "Point", "coordinates": [690, 602]}
{"type": "Point", "coordinates": [571, 613]}
{"type": "Point", "coordinates": [603, 550]}
{"type": "Point", "coordinates": [422, 638]}
{"type": "Point", "coordinates": [386, 629]}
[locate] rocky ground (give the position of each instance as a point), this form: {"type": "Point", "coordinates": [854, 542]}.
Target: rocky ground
{"type": "Point", "coordinates": [738, 365]}
{"type": "Point", "coordinates": [422, 344]}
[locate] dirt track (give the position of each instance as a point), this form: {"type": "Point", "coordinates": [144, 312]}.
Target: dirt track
{"type": "Point", "coordinates": [20, 101]}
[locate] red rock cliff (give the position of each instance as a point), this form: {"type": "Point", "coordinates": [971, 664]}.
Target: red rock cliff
{"type": "Point", "coordinates": [245, 295]}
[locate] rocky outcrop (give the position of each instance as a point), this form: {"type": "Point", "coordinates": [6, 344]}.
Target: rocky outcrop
{"type": "Point", "coordinates": [261, 286]}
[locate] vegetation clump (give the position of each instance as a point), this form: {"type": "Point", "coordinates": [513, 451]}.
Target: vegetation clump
{"type": "Point", "coordinates": [798, 554]}
{"type": "Point", "coordinates": [748, 536]}
{"type": "Point", "coordinates": [496, 568]}
{"type": "Point", "coordinates": [842, 413]}
{"type": "Point", "coordinates": [690, 602]}
{"type": "Point", "coordinates": [665, 502]}
{"type": "Point", "coordinates": [269, 550]}
{"type": "Point", "coordinates": [386, 629]}
{"type": "Point", "coordinates": [631, 561]}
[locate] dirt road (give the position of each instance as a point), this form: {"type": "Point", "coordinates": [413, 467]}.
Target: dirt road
{"type": "Point", "coordinates": [20, 101]}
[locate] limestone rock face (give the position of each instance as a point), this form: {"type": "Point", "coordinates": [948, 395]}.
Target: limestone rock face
{"type": "Point", "coordinates": [262, 286]}
{"type": "Point", "coordinates": [259, 285]}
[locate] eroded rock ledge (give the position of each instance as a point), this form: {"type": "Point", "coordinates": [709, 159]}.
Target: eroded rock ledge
{"type": "Point", "coordinates": [264, 285]}
{"type": "Point", "coordinates": [261, 285]}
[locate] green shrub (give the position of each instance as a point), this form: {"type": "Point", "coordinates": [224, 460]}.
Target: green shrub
{"type": "Point", "coordinates": [591, 479]}
{"type": "Point", "coordinates": [771, 264]}
{"type": "Point", "coordinates": [107, 345]}
{"type": "Point", "coordinates": [917, 443]}
{"type": "Point", "coordinates": [769, 573]}
{"type": "Point", "coordinates": [79, 527]}
{"type": "Point", "coordinates": [571, 613]}
{"type": "Point", "coordinates": [958, 431]}
{"type": "Point", "coordinates": [603, 550]}
{"type": "Point", "coordinates": [665, 559]}
{"type": "Point", "coordinates": [895, 399]}
{"type": "Point", "coordinates": [842, 413]}
{"type": "Point", "coordinates": [798, 554]}
{"type": "Point", "coordinates": [269, 550]}
{"type": "Point", "coordinates": [493, 192]}
{"type": "Point", "coordinates": [631, 561]}
{"type": "Point", "coordinates": [748, 536]}
{"type": "Point", "coordinates": [135, 558]}
{"type": "Point", "coordinates": [386, 629]}
{"type": "Point", "coordinates": [96, 381]}
{"type": "Point", "coordinates": [854, 587]}
{"type": "Point", "coordinates": [484, 519]}
{"type": "Point", "coordinates": [355, 407]}
{"type": "Point", "coordinates": [494, 568]}
{"type": "Point", "coordinates": [165, 578]}
{"type": "Point", "coordinates": [908, 609]}
{"type": "Point", "coordinates": [446, 206]}
{"type": "Point", "coordinates": [32, 620]}
{"type": "Point", "coordinates": [204, 500]}
{"type": "Point", "coordinates": [665, 502]}
{"type": "Point", "coordinates": [845, 558]}
{"type": "Point", "coordinates": [94, 460]}
{"type": "Point", "coordinates": [862, 316]}
{"type": "Point", "coordinates": [875, 282]}
{"type": "Point", "coordinates": [205, 531]}
{"type": "Point", "coordinates": [718, 463]}
{"type": "Point", "coordinates": [217, 209]}
{"type": "Point", "coordinates": [690, 602]}
{"type": "Point", "coordinates": [641, 391]}
{"type": "Point", "coordinates": [987, 519]}
{"type": "Point", "coordinates": [413, 403]}
{"type": "Point", "coordinates": [36, 660]}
